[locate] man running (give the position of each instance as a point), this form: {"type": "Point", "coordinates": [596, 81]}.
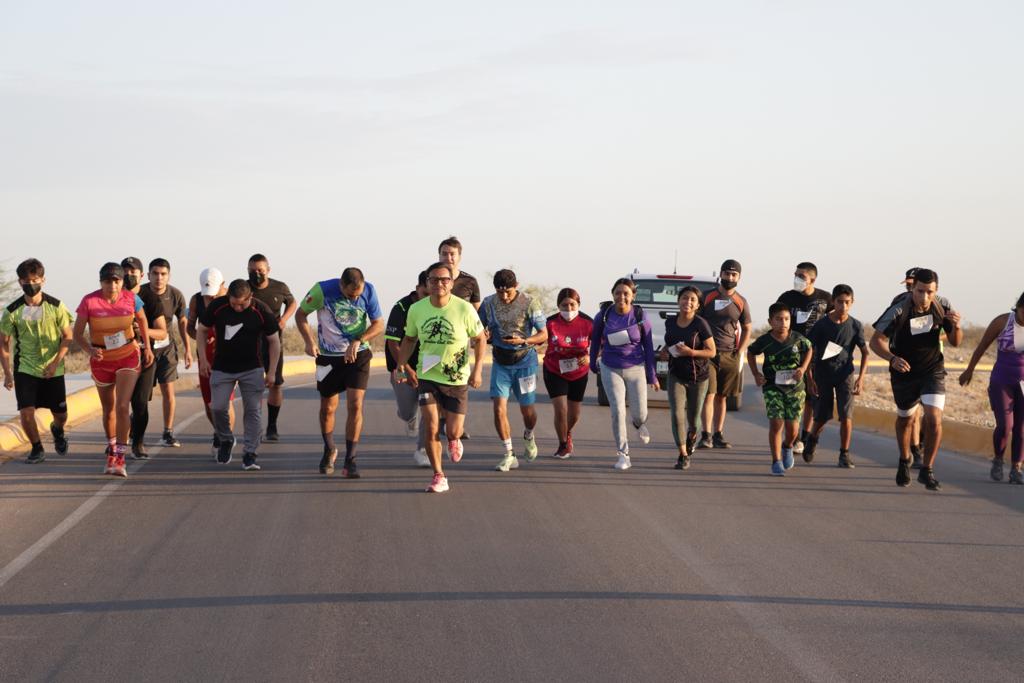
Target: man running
{"type": "Point", "coordinates": [449, 252]}
{"type": "Point", "coordinates": [112, 314]}
{"type": "Point", "coordinates": [154, 311]}
{"type": "Point", "coordinates": [728, 314]}
{"type": "Point", "coordinates": [908, 337]}
{"type": "Point", "coordinates": [515, 324]}
{"type": "Point", "coordinates": [807, 306]}
{"type": "Point", "coordinates": [405, 395]}
{"type": "Point", "coordinates": [211, 286]}
{"type": "Point", "coordinates": [164, 350]}
{"type": "Point", "coordinates": [39, 328]}
{"type": "Point", "coordinates": [278, 298]}
{"type": "Point", "coordinates": [241, 325]}
{"type": "Point", "coordinates": [348, 316]}
{"type": "Point", "coordinates": [444, 326]}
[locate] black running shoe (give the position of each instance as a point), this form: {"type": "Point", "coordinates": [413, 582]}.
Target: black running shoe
{"type": "Point", "coordinates": [224, 451]}
{"type": "Point", "coordinates": [271, 434]}
{"type": "Point", "coordinates": [718, 441]}
{"type": "Point", "coordinates": [810, 443]}
{"type": "Point", "coordinates": [350, 470]}
{"type": "Point", "coordinates": [705, 440]}
{"type": "Point", "coordinates": [327, 462]}
{"type": "Point", "coordinates": [249, 462]}
{"type": "Point", "coordinates": [845, 460]}
{"type": "Point", "coordinates": [37, 455]}
{"type": "Point", "coordinates": [168, 440]}
{"type": "Point", "coordinates": [139, 451]}
{"type": "Point", "coordinates": [60, 440]}
{"type": "Point", "coordinates": [927, 477]}
{"type": "Point", "coordinates": [903, 473]}
{"type": "Point", "coordinates": [683, 462]}
{"type": "Point", "coordinates": [691, 442]}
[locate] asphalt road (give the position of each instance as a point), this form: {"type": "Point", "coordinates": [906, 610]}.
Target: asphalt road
{"type": "Point", "coordinates": [557, 571]}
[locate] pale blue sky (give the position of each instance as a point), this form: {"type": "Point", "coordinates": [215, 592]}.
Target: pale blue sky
{"type": "Point", "coordinates": [572, 141]}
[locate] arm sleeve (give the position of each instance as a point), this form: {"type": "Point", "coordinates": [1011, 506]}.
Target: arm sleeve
{"type": "Point", "coordinates": [314, 300]}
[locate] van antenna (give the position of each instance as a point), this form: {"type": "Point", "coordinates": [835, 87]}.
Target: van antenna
{"type": "Point", "coordinates": [675, 265]}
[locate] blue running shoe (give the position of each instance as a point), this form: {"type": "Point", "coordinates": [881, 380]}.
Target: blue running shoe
{"type": "Point", "coordinates": [777, 469]}
{"type": "Point", "coordinates": [787, 458]}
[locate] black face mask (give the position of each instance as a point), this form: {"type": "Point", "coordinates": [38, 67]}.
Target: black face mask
{"type": "Point", "coordinates": [256, 277]}
{"type": "Point", "coordinates": [31, 289]}
{"type": "Point", "coordinates": [129, 281]}
{"type": "Point", "coordinates": [728, 284]}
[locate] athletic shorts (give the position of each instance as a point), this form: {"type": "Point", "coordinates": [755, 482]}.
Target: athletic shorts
{"type": "Point", "coordinates": [908, 388]}
{"type": "Point", "coordinates": [39, 392]}
{"type": "Point", "coordinates": [559, 386]}
{"type": "Point", "coordinates": [104, 372]}
{"type": "Point", "coordinates": [783, 405]}
{"type": "Point", "coordinates": [724, 374]}
{"type": "Point", "coordinates": [519, 380]}
{"type": "Point", "coordinates": [265, 354]}
{"type": "Point", "coordinates": [342, 375]}
{"type": "Point", "coordinates": [834, 394]}
{"type": "Point", "coordinates": [204, 389]}
{"type": "Point", "coordinates": [453, 398]}
{"type": "Point", "coordinates": [166, 362]}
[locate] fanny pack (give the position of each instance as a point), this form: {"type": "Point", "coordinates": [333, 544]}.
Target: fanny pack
{"type": "Point", "coordinates": [504, 356]}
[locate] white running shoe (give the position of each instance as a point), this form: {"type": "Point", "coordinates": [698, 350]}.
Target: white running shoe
{"type": "Point", "coordinates": [509, 462]}
{"type": "Point", "coordinates": [623, 462]}
{"type": "Point", "coordinates": [439, 484]}
{"type": "Point", "coordinates": [421, 458]}
{"type": "Point", "coordinates": [645, 435]}
{"type": "Point", "coordinates": [798, 446]}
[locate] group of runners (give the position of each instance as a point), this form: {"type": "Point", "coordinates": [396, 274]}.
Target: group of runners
{"type": "Point", "coordinates": [435, 345]}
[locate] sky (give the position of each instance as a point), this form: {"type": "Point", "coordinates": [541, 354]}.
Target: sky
{"type": "Point", "coordinates": [571, 141]}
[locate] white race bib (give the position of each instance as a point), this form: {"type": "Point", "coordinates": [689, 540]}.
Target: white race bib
{"type": "Point", "coordinates": [785, 378]}
{"type": "Point", "coordinates": [921, 325]}
{"type": "Point", "coordinates": [32, 313]}
{"type": "Point", "coordinates": [1018, 337]}
{"type": "Point", "coordinates": [114, 341]}
{"type": "Point", "coordinates": [831, 351]}
{"type": "Point", "coordinates": [722, 303]}
{"type": "Point", "coordinates": [673, 351]}
{"type": "Point", "coordinates": [322, 371]}
{"type": "Point", "coordinates": [161, 343]}
{"type": "Point", "coordinates": [428, 361]}
{"type": "Point", "coordinates": [528, 385]}
{"type": "Point", "coordinates": [802, 316]}
{"type": "Point", "coordinates": [231, 330]}
{"type": "Point", "coordinates": [567, 365]}
{"type": "Point", "coordinates": [620, 338]}
{"type": "Point", "coordinates": [661, 367]}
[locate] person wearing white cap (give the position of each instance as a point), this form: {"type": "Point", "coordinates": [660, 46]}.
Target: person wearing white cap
{"type": "Point", "coordinates": [211, 286]}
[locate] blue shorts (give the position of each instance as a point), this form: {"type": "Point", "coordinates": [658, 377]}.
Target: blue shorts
{"type": "Point", "coordinates": [519, 380]}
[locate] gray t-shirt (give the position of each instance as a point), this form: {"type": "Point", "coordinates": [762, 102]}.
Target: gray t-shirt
{"type": "Point", "coordinates": [726, 314]}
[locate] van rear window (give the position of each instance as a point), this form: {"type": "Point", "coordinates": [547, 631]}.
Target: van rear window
{"type": "Point", "coordinates": [664, 291]}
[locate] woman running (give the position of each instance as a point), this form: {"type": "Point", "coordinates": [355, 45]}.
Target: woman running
{"type": "Point", "coordinates": [565, 365]}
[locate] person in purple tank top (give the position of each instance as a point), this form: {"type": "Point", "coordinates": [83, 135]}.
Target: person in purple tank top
{"type": "Point", "coordinates": [1005, 388]}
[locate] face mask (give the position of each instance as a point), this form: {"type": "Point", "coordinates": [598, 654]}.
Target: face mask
{"type": "Point", "coordinates": [130, 281]}
{"type": "Point", "coordinates": [728, 284]}
{"type": "Point", "coordinates": [799, 284]}
{"type": "Point", "coordinates": [569, 315]}
{"type": "Point", "coordinates": [31, 289]}
{"type": "Point", "coordinates": [256, 277]}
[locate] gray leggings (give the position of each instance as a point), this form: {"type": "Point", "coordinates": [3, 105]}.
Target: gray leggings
{"type": "Point", "coordinates": [685, 401]}
{"type": "Point", "coordinates": [408, 401]}
{"type": "Point", "coordinates": [620, 383]}
{"type": "Point", "coordinates": [251, 384]}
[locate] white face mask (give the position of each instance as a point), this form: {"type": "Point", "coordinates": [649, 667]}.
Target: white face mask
{"type": "Point", "coordinates": [569, 315]}
{"type": "Point", "coordinates": [799, 284]}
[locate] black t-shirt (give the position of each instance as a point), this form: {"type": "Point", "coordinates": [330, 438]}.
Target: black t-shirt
{"type": "Point", "coordinates": [688, 369]}
{"type": "Point", "coordinates": [276, 295]}
{"type": "Point", "coordinates": [846, 335]}
{"type": "Point", "coordinates": [466, 287]}
{"type": "Point", "coordinates": [806, 309]}
{"type": "Point", "coordinates": [152, 307]}
{"type": "Point", "coordinates": [915, 337]}
{"type": "Point", "coordinates": [395, 330]}
{"type": "Point", "coordinates": [239, 334]}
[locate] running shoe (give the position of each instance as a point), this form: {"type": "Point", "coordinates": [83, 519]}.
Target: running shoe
{"type": "Point", "coordinates": [683, 462]}
{"type": "Point", "coordinates": [927, 477]}
{"type": "Point", "coordinates": [111, 459]}
{"type": "Point", "coordinates": [798, 447]}
{"type": "Point", "coordinates": [327, 462]}
{"type": "Point", "coordinates": [455, 450]}
{"type": "Point", "coordinates": [1016, 476]}
{"type": "Point", "coordinates": [915, 453]}
{"type": "Point", "coordinates": [718, 441]}
{"type": "Point", "coordinates": [778, 470]}
{"type": "Point", "coordinates": [643, 433]}
{"type": "Point", "coordinates": [623, 462]}
{"type": "Point", "coordinates": [845, 460]}
{"type": "Point", "coordinates": [530, 451]}
{"type": "Point", "coordinates": [997, 469]}
{"type": "Point", "coordinates": [271, 434]}
{"type": "Point", "coordinates": [216, 446]}
{"type": "Point", "coordinates": [509, 462]}
{"type": "Point", "coordinates": [119, 469]}
{"type": "Point", "coordinates": [350, 470]}
{"type": "Point", "coordinates": [568, 443]}
{"type": "Point", "coordinates": [37, 455]}
{"type": "Point", "coordinates": [168, 440]}
{"type": "Point", "coordinates": [903, 473]}
{"type": "Point", "coordinates": [139, 451]}
{"type": "Point", "coordinates": [421, 458]}
{"type": "Point", "coordinates": [691, 442]}
{"type": "Point", "coordinates": [412, 427]}
{"type": "Point", "coordinates": [224, 452]}
{"type": "Point", "coordinates": [787, 458]}
{"type": "Point", "coordinates": [705, 441]}
{"type": "Point", "coordinates": [60, 440]}
{"type": "Point", "coordinates": [809, 447]}
{"type": "Point", "coordinates": [562, 453]}
{"type": "Point", "coordinates": [439, 484]}
{"type": "Point", "coordinates": [249, 462]}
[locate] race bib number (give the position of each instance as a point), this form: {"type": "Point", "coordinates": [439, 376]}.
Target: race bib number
{"type": "Point", "coordinates": [661, 367]}
{"type": "Point", "coordinates": [831, 351]}
{"type": "Point", "coordinates": [161, 343]}
{"type": "Point", "coordinates": [32, 314]}
{"type": "Point", "coordinates": [721, 304]}
{"type": "Point", "coordinates": [802, 316]}
{"type": "Point", "coordinates": [429, 361]}
{"type": "Point", "coordinates": [231, 330]}
{"type": "Point", "coordinates": [322, 371]}
{"type": "Point", "coordinates": [784, 378]}
{"type": "Point", "coordinates": [567, 365]}
{"type": "Point", "coordinates": [620, 338]}
{"type": "Point", "coordinates": [921, 325]}
{"type": "Point", "coordinates": [673, 351]}
{"type": "Point", "coordinates": [115, 341]}
{"type": "Point", "coordinates": [528, 385]}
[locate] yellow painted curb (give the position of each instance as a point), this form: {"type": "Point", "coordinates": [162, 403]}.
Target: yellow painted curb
{"type": "Point", "coordinates": [956, 436]}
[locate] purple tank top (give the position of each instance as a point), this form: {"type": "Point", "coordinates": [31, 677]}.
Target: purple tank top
{"type": "Point", "coordinates": [1009, 367]}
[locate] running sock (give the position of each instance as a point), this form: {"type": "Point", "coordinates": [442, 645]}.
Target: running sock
{"type": "Point", "coordinates": [112, 443]}
{"type": "Point", "coordinates": [528, 434]}
{"type": "Point", "coordinates": [328, 438]}
{"type": "Point", "coordinates": [272, 412]}
{"type": "Point", "coordinates": [507, 443]}
{"type": "Point", "coordinates": [350, 449]}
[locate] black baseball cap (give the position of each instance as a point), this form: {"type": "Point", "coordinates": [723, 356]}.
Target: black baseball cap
{"type": "Point", "coordinates": [131, 263]}
{"type": "Point", "coordinates": [111, 271]}
{"type": "Point", "coordinates": [731, 264]}
{"type": "Point", "coordinates": [911, 273]}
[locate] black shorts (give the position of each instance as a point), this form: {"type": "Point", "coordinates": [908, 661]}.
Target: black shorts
{"type": "Point", "coordinates": [342, 375]}
{"type": "Point", "coordinates": [166, 362]}
{"type": "Point", "coordinates": [559, 386]}
{"type": "Point", "coordinates": [834, 393]}
{"type": "Point", "coordinates": [452, 398]}
{"type": "Point", "coordinates": [908, 387]}
{"type": "Point", "coordinates": [38, 392]}
{"type": "Point", "coordinates": [279, 377]}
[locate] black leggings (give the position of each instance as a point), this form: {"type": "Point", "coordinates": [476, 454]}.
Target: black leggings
{"type": "Point", "coordinates": [140, 403]}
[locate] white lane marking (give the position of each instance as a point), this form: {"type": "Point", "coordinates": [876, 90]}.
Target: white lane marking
{"type": "Point", "coordinates": [72, 520]}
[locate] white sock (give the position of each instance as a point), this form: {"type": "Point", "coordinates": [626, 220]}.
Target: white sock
{"type": "Point", "coordinates": [507, 443]}
{"type": "Point", "coordinates": [528, 434]}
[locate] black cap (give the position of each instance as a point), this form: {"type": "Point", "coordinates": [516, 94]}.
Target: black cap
{"type": "Point", "coordinates": [111, 271]}
{"type": "Point", "coordinates": [131, 263]}
{"type": "Point", "coordinates": [911, 273]}
{"type": "Point", "coordinates": [731, 264]}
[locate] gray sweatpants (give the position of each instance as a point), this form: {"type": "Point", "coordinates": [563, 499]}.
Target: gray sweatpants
{"type": "Point", "coordinates": [251, 384]}
{"type": "Point", "coordinates": [685, 402]}
{"type": "Point", "coordinates": [618, 384]}
{"type": "Point", "coordinates": [408, 401]}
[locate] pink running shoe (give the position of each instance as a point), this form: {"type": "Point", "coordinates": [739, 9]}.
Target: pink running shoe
{"type": "Point", "coordinates": [455, 450]}
{"type": "Point", "coordinates": [111, 460]}
{"type": "Point", "coordinates": [119, 467]}
{"type": "Point", "coordinates": [568, 443]}
{"type": "Point", "coordinates": [439, 483]}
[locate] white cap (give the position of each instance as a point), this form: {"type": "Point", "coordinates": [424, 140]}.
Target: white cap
{"type": "Point", "coordinates": [210, 281]}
